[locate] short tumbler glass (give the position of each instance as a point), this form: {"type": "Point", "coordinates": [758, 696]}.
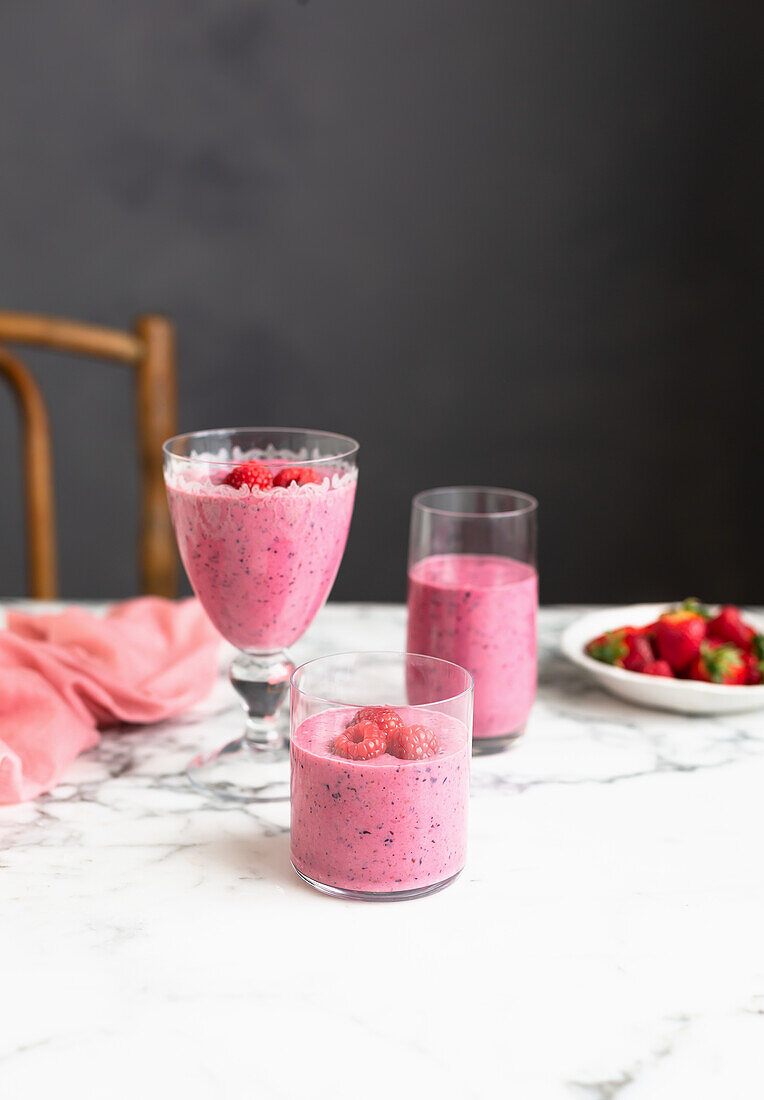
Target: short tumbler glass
{"type": "Point", "coordinates": [473, 598]}
{"type": "Point", "coordinates": [380, 798]}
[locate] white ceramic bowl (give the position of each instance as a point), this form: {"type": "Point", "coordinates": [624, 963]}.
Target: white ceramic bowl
{"type": "Point", "coordinates": [684, 696]}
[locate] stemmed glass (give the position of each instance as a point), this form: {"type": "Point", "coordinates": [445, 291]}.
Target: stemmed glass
{"type": "Point", "coordinates": [261, 517]}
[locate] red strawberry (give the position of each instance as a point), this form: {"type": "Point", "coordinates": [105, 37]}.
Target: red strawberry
{"type": "Point", "coordinates": [678, 636]}
{"type": "Point", "coordinates": [627, 647]}
{"type": "Point", "coordinates": [361, 742]}
{"type": "Point", "coordinates": [640, 652]}
{"type": "Point", "coordinates": [414, 743]}
{"type": "Point", "coordinates": [611, 647]}
{"type": "Point", "coordinates": [253, 474]}
{"type": "Point", "coordinates": [301, 475]}
{"type": "Point", "coordinates": [754, 668]}
{"type": "Point", "coordinates": [755, 660]}
{"type": "Point", "coordinates": [385, 718]}
{"type": "Point", "coordinates": [719, 663]}
{"type": "Point", "coordinates": [728, 626]}
{"type": "Point", "coordinates": [658, 668]}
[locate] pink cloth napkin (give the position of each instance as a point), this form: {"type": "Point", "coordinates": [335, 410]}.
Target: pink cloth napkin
{"type": "Point", "coordinates": [63, 676]}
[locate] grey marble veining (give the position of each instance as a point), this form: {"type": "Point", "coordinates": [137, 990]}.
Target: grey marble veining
{"type": "Point", "coordinates": [604, 942]}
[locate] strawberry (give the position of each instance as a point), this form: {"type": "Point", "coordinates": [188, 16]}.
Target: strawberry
{"type": "Point", "coordinates": [640, 652]}
{"type": "Point", "coordinates": [649, 633]}
{"type": "Point", "coordinates": [300, 475]}
{"type": "Point", "coordinates": [627, 647]}
{"type": "Point", "coordinates": [719, 663]}
{"type": "Point", "coordinates": [658, 668]}
{"type": "Point", "coordinates": [755, 660]}
{"type": "Point", "coordinates": [678, 636]}
{"type": "Point", "coordinates": [611, 647]}
{"type": "Point", "coordinates": [728, 626]}
{"type": "Point", "coordinates": [252, 473]}
{"type": "Point", "coordinates": [754, 668]}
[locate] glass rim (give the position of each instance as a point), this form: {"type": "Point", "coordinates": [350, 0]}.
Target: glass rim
{"type": "Point", "coordinates": [382, 653]}
{"type": "Point", "coordinates": [348, 448]}
{"type": "Point", "coordinates": [528, 508]}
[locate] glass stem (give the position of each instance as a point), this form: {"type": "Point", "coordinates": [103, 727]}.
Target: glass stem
{"type": "Point", "coordinates": [262, 682]}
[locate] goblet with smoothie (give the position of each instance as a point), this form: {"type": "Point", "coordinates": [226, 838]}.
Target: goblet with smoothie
{"type": "Point", "coordinates": [261, 517]}
{"type": "Point", "coordinates": [473, 597]}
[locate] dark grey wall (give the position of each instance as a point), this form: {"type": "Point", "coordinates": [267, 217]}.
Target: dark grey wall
{"type": "Point", "coordinates": [499, 242]}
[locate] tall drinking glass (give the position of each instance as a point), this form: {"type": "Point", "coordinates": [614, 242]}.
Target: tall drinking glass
{"type": "Point", "coordinates": [473, 598]}
{"type": "Point", "coordinates": [261, 517]}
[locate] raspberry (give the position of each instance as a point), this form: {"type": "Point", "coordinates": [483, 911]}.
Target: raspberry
{"type": "Point", "coordinates": [388, 720]}
{"type": "Point", "coordinates": [253, 474]}
{"type": "Point", "coordinates": [413, 743]}
{"type": "Point", "coordinates": [360, 742]}
{"type": "Point", "coordinates": [301, 475]}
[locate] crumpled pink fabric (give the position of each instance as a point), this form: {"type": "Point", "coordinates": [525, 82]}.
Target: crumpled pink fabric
{"type": "Point", "coordinates": [63, 676]}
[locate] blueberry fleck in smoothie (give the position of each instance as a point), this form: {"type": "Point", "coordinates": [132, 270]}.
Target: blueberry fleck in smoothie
{"type": "Point", "coordinates": [379, 799]}
{"type": "Point", "coordinates": [262, 551]}
{"type": "Point", "coordinates": [479, 611]}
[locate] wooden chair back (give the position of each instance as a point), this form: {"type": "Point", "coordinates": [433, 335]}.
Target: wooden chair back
{"type": "Point", "coordinates": [150, 351]}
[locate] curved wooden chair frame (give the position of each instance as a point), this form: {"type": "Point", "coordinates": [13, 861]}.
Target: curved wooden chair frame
{"type": "Point", "coordinates": [150, 350]}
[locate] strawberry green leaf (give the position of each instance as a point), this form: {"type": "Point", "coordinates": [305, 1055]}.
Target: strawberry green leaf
{"type": "Point", "coordinates": [720, 662]}
{"type": "Point", "coordinates": [692, 603]}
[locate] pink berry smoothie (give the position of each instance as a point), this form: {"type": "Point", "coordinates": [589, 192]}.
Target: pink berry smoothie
{"type": "Point", "coordinates": [479, 611]}
{"type": "Point", "coordinates": [262, 561]}
{"type": "Point", "coordinates": [380, 826]}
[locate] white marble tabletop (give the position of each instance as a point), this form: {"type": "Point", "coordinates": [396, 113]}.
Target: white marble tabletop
{"type": "Point", "coordinates": [605, 941]}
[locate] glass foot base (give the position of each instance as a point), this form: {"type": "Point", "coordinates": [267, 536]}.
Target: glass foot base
{"type": "Point", "coordinates": [486, 746]}
{"type": "Point", "coordinates": [365, 895]}
{"type": "Point", "coordinates": [242, 771]}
